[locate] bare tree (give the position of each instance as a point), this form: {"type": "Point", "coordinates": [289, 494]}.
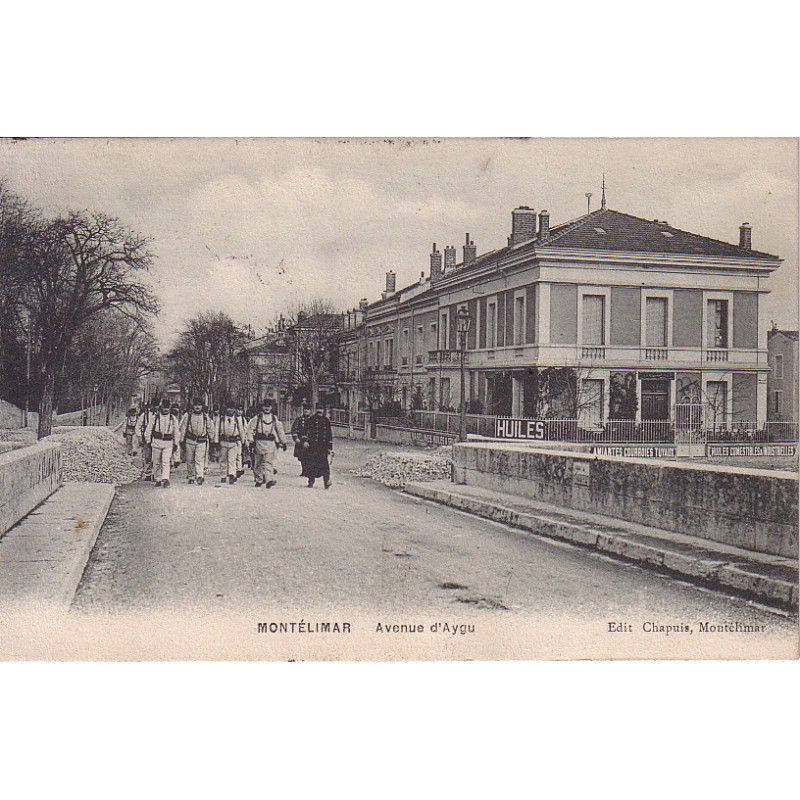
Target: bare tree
{"type": "Point", "coordinates": [19, 221]}
{"type": "Point", "coordinates": [206, 360]}
{"type": "Point", "coordinates": [314, 327]}
{"type": "Point", "coordinates": [107, 360]}
{"type": "Point", "coordinates": [74, 268]}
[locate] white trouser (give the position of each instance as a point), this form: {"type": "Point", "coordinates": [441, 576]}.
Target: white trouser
{"type": "Point", "coordinates": [196, 458]}
{"type": "Point", "coordinates": [228, 456]}
{"type": "Point", "coordinates": [265, 453]}
{"type": "Point", "coordinates": [162, 454]}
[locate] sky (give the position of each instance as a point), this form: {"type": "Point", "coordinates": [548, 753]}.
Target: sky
{"type": "Point", "coordinates": [252, 227]}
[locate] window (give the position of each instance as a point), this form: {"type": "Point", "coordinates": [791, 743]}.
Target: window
{"type": "Point", "coordinates": [594, 322]}
{"type": "Point", "coordinates": [378, 353]}
{"type": "Point", "coordinates": [656, 331]}
{"type": "Point", "coordinates": [419, 345]}
{"type": "Point", "coordinates": [667, 234]}
{"type": "Point", "coordinates": [444, 392]}
{"type": "Point", "coordinates": [717, 324]}
{"type": "Point", "coordinates": [491, 324]}
{"type": "Point", "coordinates": [778, 366]}
{"type": "Point", "coordinates": [717, 401]}
{"type": "Point", "coordinates": [777, 399]}
{"type": "Point", "coordinates": [390, 352]}
{"type": "Point", "coordinates": [590, 411]}
{"type": "Point", "coordinates": [519, 320]}
{"type": "Point", "coordinates": [371, 355]}
{"type": "Point", "coordinates": [600, 230]}
{"type": "Point", "coordinates": [445, 333]}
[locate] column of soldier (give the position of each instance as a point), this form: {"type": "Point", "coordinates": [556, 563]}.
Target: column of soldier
{"type": "Point", "coordinates": [168, 437]}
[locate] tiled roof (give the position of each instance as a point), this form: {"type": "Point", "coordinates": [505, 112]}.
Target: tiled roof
{"type": "Point", "coordinates": [612, 230]}
{"type": "Point", "coordinates": [605, 229]}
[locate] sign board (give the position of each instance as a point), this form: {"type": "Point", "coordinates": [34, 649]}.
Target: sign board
{"type": "Point", "coordinates": [656, 376]}
{"type": "Point", "coordinates": [525, 429]}
{"type": "Point", "coordinates": [749, 450]}
{"type": "Point", "coordinates": [580, 473]}
{"type": "Point", "coordinates": [635, 450]}
{"type": "Point", "coordinates": [431, 437]}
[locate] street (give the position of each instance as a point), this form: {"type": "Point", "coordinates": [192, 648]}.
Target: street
{"type": "Point", "coordinates": [362, 548]}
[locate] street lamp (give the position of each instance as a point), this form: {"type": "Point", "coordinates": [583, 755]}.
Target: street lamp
{"type": "Point", "coordinates": [463, 321]}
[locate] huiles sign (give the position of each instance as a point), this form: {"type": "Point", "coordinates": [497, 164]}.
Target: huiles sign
{"type": "Point", "coordinates": [526, 429]}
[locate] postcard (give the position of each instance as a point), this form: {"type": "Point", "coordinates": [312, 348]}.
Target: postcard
{"type": "Point", "coordinates": [398, 400]}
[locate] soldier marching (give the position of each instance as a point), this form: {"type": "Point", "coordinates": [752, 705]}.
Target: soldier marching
{"type": "Point", "coordinates": [169, 437]}
{"type": "Point", "coordinates": [266, 433]}
{"type": "Point", "coordinates": [162, 435]}
{"type": "Point", "coordinates": [197, 432]}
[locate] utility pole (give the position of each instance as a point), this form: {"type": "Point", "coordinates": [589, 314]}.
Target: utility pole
{"type": "Point", "coordinates": [463, 321]}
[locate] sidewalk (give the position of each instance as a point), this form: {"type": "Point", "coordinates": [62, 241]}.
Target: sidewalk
{"type": "Point", "coordinates": [43, 557]}
{"type": "Point", "coordinates": [766, 578]}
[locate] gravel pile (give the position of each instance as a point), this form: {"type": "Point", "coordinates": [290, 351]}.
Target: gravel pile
{"type": "Point", "coordinates": [92, 455]}
{"type": "Point", "coordinates": [397, 469]}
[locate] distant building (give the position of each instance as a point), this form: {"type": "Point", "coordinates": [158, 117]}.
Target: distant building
{"type": "Point", "coordinates": [269, 361]}
{"type": "Point", "coordinates": [279, 364]}
{"type": "Point", "coordinates": [608, 316]}
{"type": "Point", "coordinates": [782, 380]}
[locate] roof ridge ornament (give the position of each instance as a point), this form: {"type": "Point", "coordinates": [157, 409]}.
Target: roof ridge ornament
{"type": "Point", "coordinates": [603, 199]}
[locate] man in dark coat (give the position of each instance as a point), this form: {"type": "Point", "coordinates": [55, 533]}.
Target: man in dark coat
{"type": "Point", "coordinates": [318, 445]}
{"type": "Point", "coordinates": [299, 437]}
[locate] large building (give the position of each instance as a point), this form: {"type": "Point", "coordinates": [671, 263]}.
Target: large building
{"type": "Point", "coordinates": [782, 382]}
{"type": "Point", "coordinates": [608, 316]}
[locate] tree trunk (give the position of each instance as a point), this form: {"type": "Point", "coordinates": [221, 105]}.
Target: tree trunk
{"type": "Point", "coordinates": [46, 405]}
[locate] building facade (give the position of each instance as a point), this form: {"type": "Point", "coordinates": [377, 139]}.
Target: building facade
{"type": "Point", "coordinates": [782, 381]}
{"type": "Point", "coordinates": [609, 316]}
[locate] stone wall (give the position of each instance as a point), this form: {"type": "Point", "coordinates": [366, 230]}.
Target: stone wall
{"type": "Point", "coordinates": [753, 509]}
{"type": "Point", "coordinates": [28, 476]}
{"type": "Point", "coordinates": [10, 415]}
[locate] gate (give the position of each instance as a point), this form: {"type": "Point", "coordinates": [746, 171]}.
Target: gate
{"type": "Point", "coordinates": [689, 428]}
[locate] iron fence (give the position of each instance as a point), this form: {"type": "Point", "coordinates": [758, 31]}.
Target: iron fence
{"type": "Point", "coordinates": [688, 429]}
{"type": "Point", "coordinates": [343, 416]}
{"type": "Point", "coordinates": [619, 430]}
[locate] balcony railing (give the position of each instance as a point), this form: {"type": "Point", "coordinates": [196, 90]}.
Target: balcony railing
{"type": "Point", "coordinates": [655, 353]}
{"type": "Point", "coordinates": [593, 353]}
{"type": "Point", "coordinates": [717, 354]}
{"type": "Point", "coordinates": [446, 357]}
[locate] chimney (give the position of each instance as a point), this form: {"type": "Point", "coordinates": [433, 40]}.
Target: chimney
{"type": "Point", "coordinates": [745, 236]}
{"type": "Point", "coordinates": [363, 304]}
{"type": "Point", "coordinates": [470, 251]}
{"type": "Point", "coordinates": [391, 282]}
{"type": "Point", "coordinates": [422, 279]}
{"type": "Point", "coordinates": [523, 225]}
{"type": "Point", "coordinates": [436, 264]}
{"type": "Point", "coordinates": [544, 225]}
{"type": "Point", "coordinates": [449, 258]}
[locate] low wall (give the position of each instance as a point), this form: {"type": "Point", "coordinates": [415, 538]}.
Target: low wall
{"type": "Point", "coordinates": [10, 415]}
{"type": "Point", "coordinates": [28, 476]}
{"type": "Point", "coordinates": [415, 436]}
{"type": "Point", "coordinates": [346, 432]}
{"type": "Point", "coordinates": [753, 509]}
